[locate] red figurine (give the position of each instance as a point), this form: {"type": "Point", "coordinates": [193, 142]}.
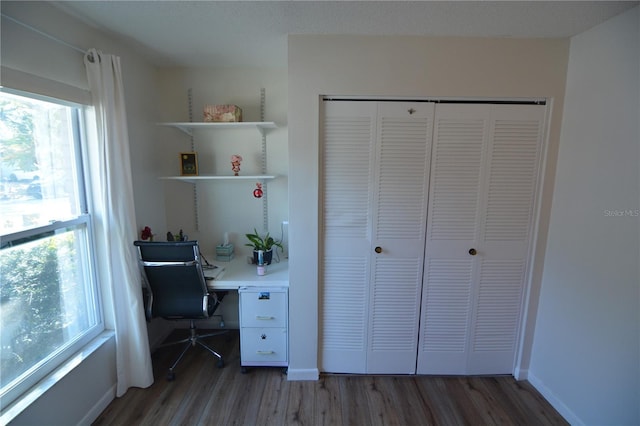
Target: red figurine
{"type": "Point", "coordinates": [258, 191]}
{"type": "Point", "coordinates": [146, 234]}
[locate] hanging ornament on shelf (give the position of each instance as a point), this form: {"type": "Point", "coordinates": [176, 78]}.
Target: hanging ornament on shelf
{"type": "Point", "coordinates": [257, 193]}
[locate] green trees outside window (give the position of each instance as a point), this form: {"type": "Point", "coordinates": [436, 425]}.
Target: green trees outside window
{"type": "Point", "coordinates": [49, 306]}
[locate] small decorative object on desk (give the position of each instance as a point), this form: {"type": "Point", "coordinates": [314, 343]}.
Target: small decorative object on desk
{"type": "Point", "coordinates": [222, 113]}
{"type": "Point", "coordinates": [260, 268]}
{"type": "Point", "coordinates": [180, 237]}
{"type": "Point", "coordinates": [235, 164]}
{"type": "Point", "coordinates": [146, 234]}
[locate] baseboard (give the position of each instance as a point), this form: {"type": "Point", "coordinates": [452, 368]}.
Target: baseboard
{"type": "Point", "coordinates": [556, 402]}
{"type": "Point", "coordinates": [99, 407]}
{"type": "Point", "coordinates": [300, 374]}
{"type": "Point", "coordinates": [521, 374]}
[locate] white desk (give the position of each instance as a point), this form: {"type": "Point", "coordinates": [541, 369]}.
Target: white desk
{"type": "Point", "coordinates": [238, 273]}
{"type": "Point", "coordinates": [264, 311]}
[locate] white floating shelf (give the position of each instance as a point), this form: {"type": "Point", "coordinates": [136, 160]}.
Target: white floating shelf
{"type": "Point", "coordinates": [189, 127]}
{"type": "Point", "coordinates": [194, 179]}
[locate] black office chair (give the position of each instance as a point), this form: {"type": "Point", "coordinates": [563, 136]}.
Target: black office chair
{"type": "Point", "coordinates": [177, 289]}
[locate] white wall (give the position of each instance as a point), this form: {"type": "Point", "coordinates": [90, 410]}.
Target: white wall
{"type": "Point", "coordinates": [586, 356]}
{"type": "Point", "coordinates": [80, 396]}
{"type": "Point", "coordinates": [26, 51]}
{"type": "Point", "coordinates": [224, 206]}
{"type": "Point", "coordinates": [396, 66]}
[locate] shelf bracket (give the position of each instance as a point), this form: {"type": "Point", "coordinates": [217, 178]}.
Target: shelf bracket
{"type": "Point", "coordinates": [196, 219]}
{"type": "Point", "coordinates": [265, 203]}
{"type": "Point", "coordinates": [187, 130]}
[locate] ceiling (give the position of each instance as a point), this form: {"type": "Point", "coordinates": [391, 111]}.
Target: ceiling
{"type": "Point", "coordinates": [254, 33]}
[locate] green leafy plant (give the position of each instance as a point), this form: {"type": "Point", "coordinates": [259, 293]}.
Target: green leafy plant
{"type": "Point", "coordinates": [265, 243]}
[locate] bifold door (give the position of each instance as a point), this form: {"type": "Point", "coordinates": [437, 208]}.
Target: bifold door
{"type": "Point", "coordinates": [425, 253]}
{"type": "Point", "coordinates": [482, 192]}
{"type": "Point", "coordinates": [375, 169]}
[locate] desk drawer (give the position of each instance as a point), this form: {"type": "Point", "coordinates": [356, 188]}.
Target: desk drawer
{"type": "Point", "coordinates": [263, 346]}
{"type": "Point", "coordinates": [263, 308]}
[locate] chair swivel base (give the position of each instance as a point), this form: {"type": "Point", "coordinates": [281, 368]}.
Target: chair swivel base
{"type": "Point", "coordinates": [193, 340]}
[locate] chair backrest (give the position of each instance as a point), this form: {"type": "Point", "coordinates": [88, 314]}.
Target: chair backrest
{"type": "Point", "coordinates": [175, 278]}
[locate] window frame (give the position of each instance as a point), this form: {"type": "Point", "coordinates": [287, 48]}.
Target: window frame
{"type": "Point", "coordinates": [16, 390]}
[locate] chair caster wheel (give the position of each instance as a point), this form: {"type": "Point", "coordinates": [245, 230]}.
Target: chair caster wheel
{"type": "Point", "coordinates": [171, 376]}
{"type": "Point", "coordinates": [220, 363]}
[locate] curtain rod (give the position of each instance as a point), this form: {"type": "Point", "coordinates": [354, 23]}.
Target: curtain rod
{"type": "Point", "coordinates": [49, 36]}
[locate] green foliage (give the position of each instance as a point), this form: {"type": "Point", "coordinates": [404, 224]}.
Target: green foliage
{"type": "Point", "coordinates": [18, 148]}
{"type": "Point", "coordinates": [265, 243]}
{"type": "Point", "coordinates": [32, 312]}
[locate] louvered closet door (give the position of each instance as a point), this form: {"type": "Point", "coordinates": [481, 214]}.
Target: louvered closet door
{"type": "Point", "coordinates": [459, 145]}
{"type": "Point", "coordinates": [482, 193]}
{"type": "Point", "coordinates": [399, 220]}
{"type": "Point", "coordinates": [374, 172]}
{"type": "Point", "coordinates": [515, 141]}
{"type": "Point", "coordinates": [347, 137]}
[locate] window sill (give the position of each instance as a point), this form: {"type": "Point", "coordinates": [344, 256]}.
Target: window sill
{"type": "Point", "coordinates": [48, 382]}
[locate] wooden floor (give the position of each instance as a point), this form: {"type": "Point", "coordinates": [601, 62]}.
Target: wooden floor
{"type": "Point", "coordinates": [205, 395]}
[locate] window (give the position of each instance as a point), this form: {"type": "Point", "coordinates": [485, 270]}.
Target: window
{"type": "Point", "coordinates": [48, 295]}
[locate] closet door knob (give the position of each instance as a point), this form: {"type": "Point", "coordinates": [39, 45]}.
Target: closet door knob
{"type": "Point", "coordinates": [472, 252]}
{"type": "Point", "coordinates": [378, 249]}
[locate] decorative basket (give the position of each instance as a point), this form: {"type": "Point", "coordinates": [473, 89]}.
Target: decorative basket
{"type": "Point", "coordinates": [222, 113]}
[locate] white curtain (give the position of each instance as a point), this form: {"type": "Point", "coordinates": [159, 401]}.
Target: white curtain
{"type": "Point", "coordinates": [111, 195]}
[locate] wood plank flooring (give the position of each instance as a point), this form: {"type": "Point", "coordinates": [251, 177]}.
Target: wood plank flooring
{"type": "Point", "coordinates": [202, 394]}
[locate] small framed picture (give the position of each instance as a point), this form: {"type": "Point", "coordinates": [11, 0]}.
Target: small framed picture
{"type": "Point", "coordinates": [188, 164]}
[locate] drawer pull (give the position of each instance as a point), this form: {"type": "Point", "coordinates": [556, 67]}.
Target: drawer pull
{"type": "Point", "coordinates": [260, 317]}
{"type": "Point", "coordinates": [265, 352]}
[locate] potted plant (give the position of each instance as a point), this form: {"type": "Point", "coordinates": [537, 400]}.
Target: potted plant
{"type": "Point", "coordinates": [265, 244]}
